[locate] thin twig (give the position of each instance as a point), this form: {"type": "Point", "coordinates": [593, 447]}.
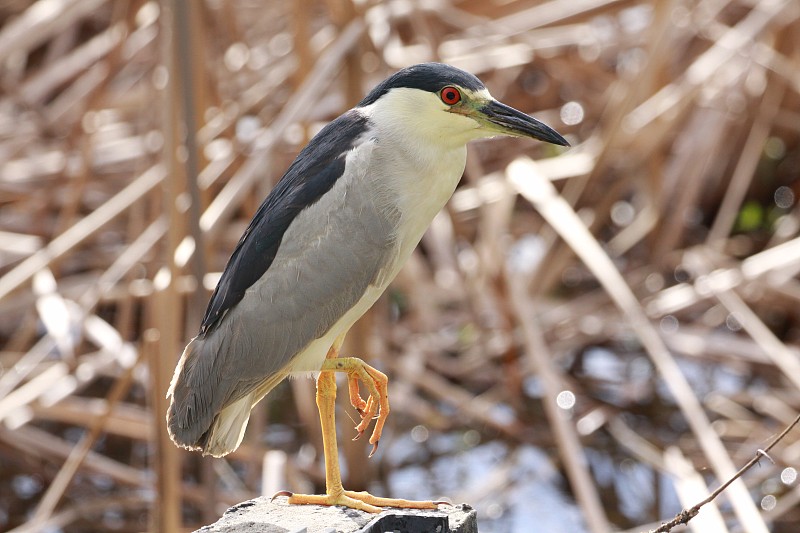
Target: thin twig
{"type": "Point", "coordinates": [685, 515]}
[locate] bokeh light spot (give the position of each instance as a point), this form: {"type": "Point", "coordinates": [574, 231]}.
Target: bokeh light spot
{"type": "Point", "coordinates": [572, 113]}
{"type": "Point", "coordinates": [769, 502]}
{"type": "Point", "coordinates": [784, 197]}
{"type": "Point", "coordinates": [566, 399]}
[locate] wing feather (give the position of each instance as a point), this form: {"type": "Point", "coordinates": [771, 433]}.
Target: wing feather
{"type": "Point", "coordinates": [318, 166]}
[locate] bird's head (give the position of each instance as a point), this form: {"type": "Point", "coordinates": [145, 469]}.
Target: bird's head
{"type": "Point", "coordinates": [445, 105]}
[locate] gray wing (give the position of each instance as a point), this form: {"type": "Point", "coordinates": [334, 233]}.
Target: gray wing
{"type": "Point", "coordinates": [312, 174]}
{"type": "Point", "coordinates": [328, 257]}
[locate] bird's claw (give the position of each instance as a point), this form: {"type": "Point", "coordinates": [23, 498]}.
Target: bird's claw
{"type": "Point", "coordinates": [282, 493]}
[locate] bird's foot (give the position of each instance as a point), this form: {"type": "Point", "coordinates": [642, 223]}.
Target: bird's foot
{"type": "Point", "coordinates": [363, 501]}
{"type": "Point", "coordinates": [377, 406]}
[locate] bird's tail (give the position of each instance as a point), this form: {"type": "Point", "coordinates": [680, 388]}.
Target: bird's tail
{"type": "Point", "coordinates": [191, 394]}
{"type": "Point", "coordinates": [227, 429]}
{"type": "Point", "coordinates": [198, 417]}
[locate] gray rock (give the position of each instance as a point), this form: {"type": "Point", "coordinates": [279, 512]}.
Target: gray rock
{"type": "Point", "coordinates": [264, 516]}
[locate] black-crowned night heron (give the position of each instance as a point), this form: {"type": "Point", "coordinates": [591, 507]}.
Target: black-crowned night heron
{"type": "Point", "coordinates": [320, 250]}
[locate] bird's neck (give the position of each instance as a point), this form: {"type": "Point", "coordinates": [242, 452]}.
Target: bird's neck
{"type": "Point", "coordinates": [422, 180]}
{"type": "Point", "coordinates": [420, 165]}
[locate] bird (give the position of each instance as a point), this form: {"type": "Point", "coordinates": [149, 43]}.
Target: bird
{"type": "Point", "coordinates": [321, 249]}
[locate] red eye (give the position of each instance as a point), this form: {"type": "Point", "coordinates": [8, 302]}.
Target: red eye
{"type": "Point", "coordinates": [450, 95]}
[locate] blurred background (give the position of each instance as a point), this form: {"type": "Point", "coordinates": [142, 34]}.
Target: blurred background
{"type": "Point", "coordinates": [592, 361]}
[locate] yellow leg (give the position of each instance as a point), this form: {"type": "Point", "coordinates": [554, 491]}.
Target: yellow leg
{"type": "Point", "coordinates": [326, 403]}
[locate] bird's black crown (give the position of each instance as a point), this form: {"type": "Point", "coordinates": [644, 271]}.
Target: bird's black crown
{"type": "Point", "coordinates": [431, 77]}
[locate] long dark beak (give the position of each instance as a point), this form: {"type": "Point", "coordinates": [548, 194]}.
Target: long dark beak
{"type": "Point", "coordinates": [506, 120]}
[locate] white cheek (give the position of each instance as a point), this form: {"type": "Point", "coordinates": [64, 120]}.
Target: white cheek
{"type": "Point", "coordinates": [462, 129]}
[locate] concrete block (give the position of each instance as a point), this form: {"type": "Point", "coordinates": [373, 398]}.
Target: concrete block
{"type": "Point", "coordinates": [264, 516]}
